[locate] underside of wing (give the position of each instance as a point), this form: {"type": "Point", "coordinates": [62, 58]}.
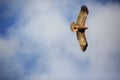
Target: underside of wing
{"type": "Point", "coordinates": [81, 19]}
{"type": "Point", "coordinates": [82, 40]}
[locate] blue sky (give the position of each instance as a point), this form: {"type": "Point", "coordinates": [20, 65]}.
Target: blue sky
{"type": "Point", "coordinates": [36, 42]}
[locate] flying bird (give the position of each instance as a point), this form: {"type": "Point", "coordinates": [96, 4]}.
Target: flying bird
{"type": "Point", "coordinates": [79, 27]}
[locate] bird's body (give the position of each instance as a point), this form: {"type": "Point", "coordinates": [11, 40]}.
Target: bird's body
{"type": "Point", "coordinates": [79, 27]}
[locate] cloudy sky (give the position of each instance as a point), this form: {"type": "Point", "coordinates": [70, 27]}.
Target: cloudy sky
{"type": "Point", "coordinates": [36, 42]}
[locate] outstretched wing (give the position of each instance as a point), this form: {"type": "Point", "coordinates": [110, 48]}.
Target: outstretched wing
{"type": "Point", "coordinates": [82, 40]}
{"type": "Point", "coordinates": [81, 19]}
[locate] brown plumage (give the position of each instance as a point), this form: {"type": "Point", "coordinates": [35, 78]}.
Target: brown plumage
{"type": "Point", "coordinates": [79, 27]}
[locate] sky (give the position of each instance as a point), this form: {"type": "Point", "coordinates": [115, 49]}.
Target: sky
{"type": "Point", "coordinates": [36, 42]}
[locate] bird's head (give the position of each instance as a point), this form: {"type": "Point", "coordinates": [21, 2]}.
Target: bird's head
{"type": "Point", "coordinates": [73, 28]}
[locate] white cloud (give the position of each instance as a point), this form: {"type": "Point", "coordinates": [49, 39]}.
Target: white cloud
{"type": "Point", "coordinates": [43, 30]}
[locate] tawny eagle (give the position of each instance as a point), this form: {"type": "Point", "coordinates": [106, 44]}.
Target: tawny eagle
{"type": "Point", "coordinates": [79, 27]}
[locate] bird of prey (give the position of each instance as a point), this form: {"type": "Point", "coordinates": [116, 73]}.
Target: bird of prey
{"type": "Point", "coordinates": [79, 27]}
